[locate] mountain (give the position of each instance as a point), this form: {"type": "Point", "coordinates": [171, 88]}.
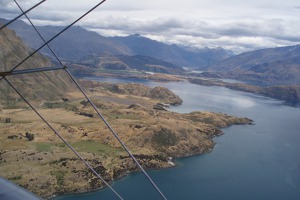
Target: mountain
{"type": "Point", "coordinates": [138, 62]}
{"type": "Point", "coordinates": [173, 53]}
{"type": "Point", "coordinates": [273, 66]}
{"type": "Point", "coordinates": [46, 85]}
{"type": "Point", "coordinates": [71, 45]}
{"type": "Point", "coordinates": [77, 43]}
{"type": "Point", "coordinates": [244, 61]}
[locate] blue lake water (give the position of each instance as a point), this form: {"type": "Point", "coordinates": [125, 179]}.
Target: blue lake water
{"type": "Point", "coordinates": [252, 162]}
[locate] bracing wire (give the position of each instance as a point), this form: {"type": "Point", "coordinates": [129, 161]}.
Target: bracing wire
{"type": "Point", "coordinates": [46, 43]}
{"type": "Point", "coordinates": [95, 108]}
{"type": "Point", "coordinates": [81, 158]}
{"type": "Point", "coordinates": [64, 141]}
{"type": "Point", "coordinates": [117, 137]}
{"type": "Point", "coordinates": [23, 13]}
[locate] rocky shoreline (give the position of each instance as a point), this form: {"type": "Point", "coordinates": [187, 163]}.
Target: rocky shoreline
{"type": "Point", "coordinates": [288, 93]}
{"type": "Point", "coordinates": [49, 169]}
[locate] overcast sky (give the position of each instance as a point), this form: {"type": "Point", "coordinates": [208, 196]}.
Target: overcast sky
{"type": "Point", "coordinates": [239, 25]}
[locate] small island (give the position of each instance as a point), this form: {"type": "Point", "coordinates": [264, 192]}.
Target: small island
{"type": "Point", "coordinates": [34, 157]}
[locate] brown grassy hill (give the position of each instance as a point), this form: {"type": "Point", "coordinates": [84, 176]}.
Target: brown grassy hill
{"type": "Point", "coordinates": [46, 167]}
{"type": "Point", "coordinates": [160, 93]}
{"type": "Point", "coordinates": [46, 85]}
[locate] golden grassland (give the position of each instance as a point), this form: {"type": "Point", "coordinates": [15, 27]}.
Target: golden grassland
{"type": "Point", "coordinates": [45, 166]}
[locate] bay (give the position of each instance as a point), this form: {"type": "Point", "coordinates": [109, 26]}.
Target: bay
{"type": "Point", "coordinates": [252, 162]}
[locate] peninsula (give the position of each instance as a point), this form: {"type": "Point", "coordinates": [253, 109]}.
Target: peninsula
{"type": "Point", "coordinates": [34, 157]}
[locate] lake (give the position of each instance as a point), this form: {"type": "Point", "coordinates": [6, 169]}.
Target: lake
{"type": "Point", "coordinates": [249, 162]}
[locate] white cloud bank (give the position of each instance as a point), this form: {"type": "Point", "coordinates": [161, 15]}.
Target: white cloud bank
{"type": "Point", "coordinates": [233, 24]}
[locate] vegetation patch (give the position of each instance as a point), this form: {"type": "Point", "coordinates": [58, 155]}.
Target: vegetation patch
{"type": "Point", "coordinates": [59, 175]}
{"type": "Point", "coordinates": [95, 147]}
{"type": "Point", "coordinates": [164, 137]}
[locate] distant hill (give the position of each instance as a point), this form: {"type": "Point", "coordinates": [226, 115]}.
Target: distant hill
{"type": "Point", "coordinates": [267, 66]}
{"type": "Point", "coordinates": [138, 62]}
{"type": "Point", "coordinates": [175, 54]}
{"type": "Point", "coordinates": [244, 61]}
{"type": "Point", "coordinates": [46, 85]}
{"type": "Point", "coordinates": [77, 43]}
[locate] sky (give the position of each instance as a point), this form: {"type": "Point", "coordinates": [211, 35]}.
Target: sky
{"type": "Point", "coordinates": [237, 25]}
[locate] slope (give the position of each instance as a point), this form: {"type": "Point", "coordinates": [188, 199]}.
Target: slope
{"type": "Point", "coordinates": [138, 62]}
{"type": "Point", "coordinates": [73, 44]}
{"type": "Point", "coordinates": [78, 42]}
{"type": "Point", "coordinates": [267, 66]}
{"type": "Point", "coordinates": [173, 53]}
{"type": "Point", "coordinates": [46, 85]}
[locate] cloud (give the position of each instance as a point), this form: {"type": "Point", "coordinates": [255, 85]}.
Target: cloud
{"type": "Point", "coordinates": [8, 7]}
{"type": "Point", "coordinates": [246, 34]}
{"type": "Point", "coordinates": [233, 24]}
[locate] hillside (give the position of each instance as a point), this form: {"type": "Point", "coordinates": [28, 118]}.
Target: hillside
{"type": "Point", "coordinates": [46, 85]}
{"type": "Point", "coordinates": [245, 61]}
{"type": "Point", "coordinates": [288, 93]}
{"type": "Point", "coordinates": [123, 62]}
{"type": "Point", "coordinates": [47, 166]}
{"type": "Point", "coordinates": [158, 93]}
{"type": "Point", "coordinates": [77, 43]}
{"type": "Point", "coordinates": [172, 53]}
{"type": "Point", "coordinates": [73, 44]}
{"type": "Point", "coordinates": [275, 66]}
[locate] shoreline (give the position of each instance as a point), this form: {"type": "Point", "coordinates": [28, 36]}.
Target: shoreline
{"type": "Point", "coordinates": [290, 94]}
{"type": "Point", "coordinates": [127, 173]}
{"type": "Point", "coordinates": [116, 180]}
{"type": "Point", "coordinates": [153, 136]}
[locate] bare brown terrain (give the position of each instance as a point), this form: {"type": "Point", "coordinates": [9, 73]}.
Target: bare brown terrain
{"type": "Point", "coordinates": [34, 157]}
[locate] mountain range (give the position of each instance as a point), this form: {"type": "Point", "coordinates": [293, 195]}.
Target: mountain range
{"type": "Point", "coordinates": [272, 66]}
{"type": "Point", "coordinates": [77, 43]}
{"type": "Point", "coordinates": [81, 47]}
{"type": "Point", "coordinates": [175, 54]}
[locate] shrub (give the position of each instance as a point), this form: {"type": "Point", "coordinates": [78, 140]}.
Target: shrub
{"type": "Point", "coordinates": [29, 136]}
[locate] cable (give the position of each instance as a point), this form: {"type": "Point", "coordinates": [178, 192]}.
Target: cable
{"type": "Point", "coordinates": [117, 137]}
{"type": "Point", "coordinates": [64, 141]}
{"type": "Point", "coordinates": [23, 13]}
{"type": "Point", "coordinates": [63, 67]}
{"type": "Point", "coordinates": [80, 88]}
{"type": "Point", "coordinates": [95, 108]}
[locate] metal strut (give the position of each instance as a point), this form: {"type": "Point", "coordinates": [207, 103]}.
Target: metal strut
{"type": "Point", "coordinates": [29, 71]}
